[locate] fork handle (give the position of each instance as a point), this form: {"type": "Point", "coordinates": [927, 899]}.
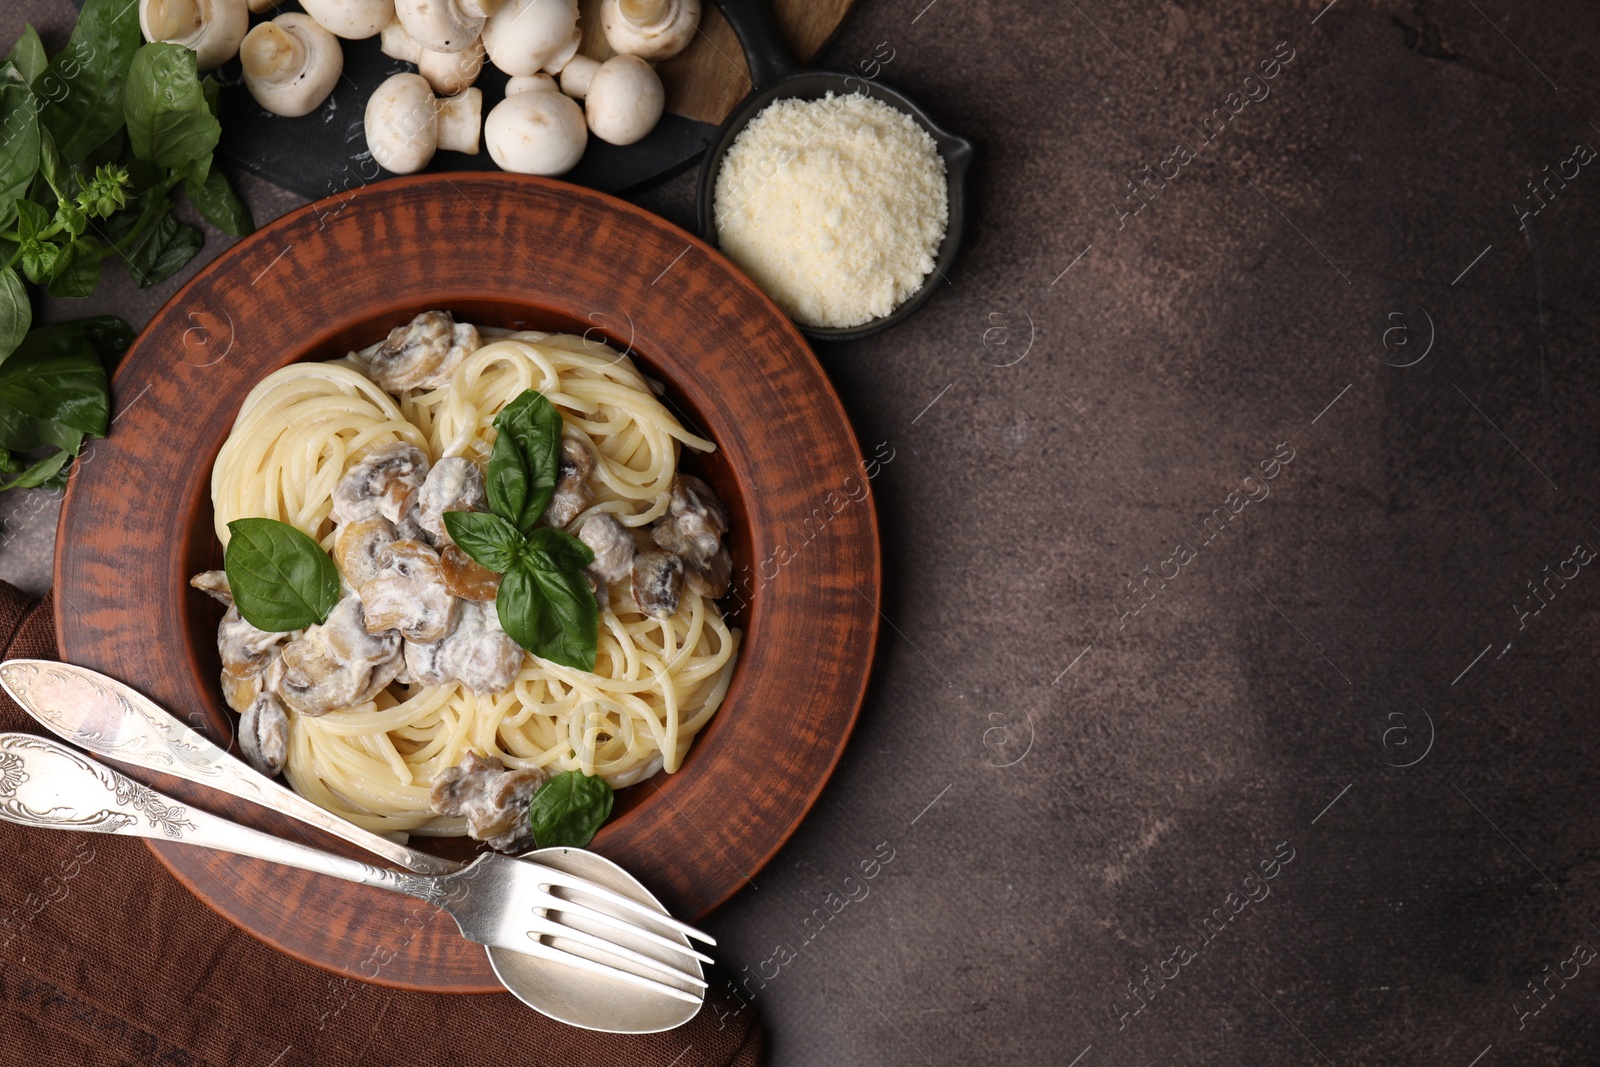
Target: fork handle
{"type": "Point", "coordinates": [117, 722]}
{"type": "Point", "coordinates": [47, 784]}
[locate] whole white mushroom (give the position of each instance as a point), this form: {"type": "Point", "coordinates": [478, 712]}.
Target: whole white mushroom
{"type": "Point", "coordinates": [213, 29]}
{"type": "Point", "coordinates": [353, 20]}
{"type": "Point", "coordinates": [405, 123]}
{"type": "Point", "coordinates": [524, 35]}
{"type": "Point", "coordinates": [291, 64]}
{"type": "Point", "coordinates": [625, 100]}
{"type": "Point", "coordinates": [650, 29]}
{"type": "Point", "coordinates": [536, 133]}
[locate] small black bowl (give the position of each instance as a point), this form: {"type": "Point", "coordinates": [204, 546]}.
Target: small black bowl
{"type": "Point", "coordinates": [777, 76]}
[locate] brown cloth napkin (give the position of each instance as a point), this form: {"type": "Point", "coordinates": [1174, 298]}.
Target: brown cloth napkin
{"type": "Point", "coordinates": [106, 959]}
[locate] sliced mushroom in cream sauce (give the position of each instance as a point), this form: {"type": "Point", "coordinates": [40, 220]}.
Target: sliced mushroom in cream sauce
{"type": "Point", "coordinates": [264, 735]}
{"type": "Point", "coordinates": [356, 546]}
{"type": "Point", "coordinates": [612, 544]}
{"type": "Point", "coordinates": [477, 653]}
{"type": "Point", "coordinates": [692, 528]}
{"type": "Point", "coordinates": [246, 652]}
{"type": "Point", "coordinates": [494, 800]}
{"type": "Point", "coordinates": [572, 493]}
{"type": "Point", "coordinates": [336, 664]}
{"type": "Point", "coordinates": [465, 577]}
{"type": "Point", "coordinates": [424, 353]}
{"type": "Point", "coordinates": [384, 482]}
{"type": "Point", "coordinates": [657, 582]}
{"type": "Point", "coordinates": [408, 594]}
{"type": "Point", "coordinates": [454, 484]}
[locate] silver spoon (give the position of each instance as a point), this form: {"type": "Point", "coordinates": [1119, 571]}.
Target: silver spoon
{"type": "Point", "coordinates": [111, 719]}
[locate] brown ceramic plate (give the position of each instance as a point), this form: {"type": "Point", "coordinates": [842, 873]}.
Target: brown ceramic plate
{"type": "Point", "coordinates": [518, 252]}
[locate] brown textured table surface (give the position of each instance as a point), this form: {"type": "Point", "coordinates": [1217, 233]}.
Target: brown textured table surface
{"type": "Point", "coordinates": [1180, 763]}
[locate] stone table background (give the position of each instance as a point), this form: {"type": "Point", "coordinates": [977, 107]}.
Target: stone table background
{"type": "Point", "coordinates": [1120, 681]}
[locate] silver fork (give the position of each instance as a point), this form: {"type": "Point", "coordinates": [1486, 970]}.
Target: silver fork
{"type": "Point", "coordinates": [46, 784]}
{"type": "Point", "coordinates": [108, 718]}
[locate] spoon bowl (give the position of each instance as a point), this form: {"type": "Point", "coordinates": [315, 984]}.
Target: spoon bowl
{"type": "Point", "coordinates": [778, 77]}
{"type": "Point", "coordinates": [578, 997]}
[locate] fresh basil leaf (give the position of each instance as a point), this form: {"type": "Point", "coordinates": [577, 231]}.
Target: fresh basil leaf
{"type": "Point", "coordinates": [83, 85]}
{"type": "Point", "coordinates": [19, 135]}
{"type": "Point", "coordinates": [24, 433]}
{"type": "Point", "coordinates": [47, 471]}
{"type": "Point", "coordinates": [16, 314]}
{"type": "Point", "coordinates": [215, 199]}
{"type": "Point", "coordinates": [488, 539]}
{"type": "Point", "coordinates": [281, 579]}
{"type": "Point", "coordinates": [551, 614]}
{"type": "Point", "coordinates": [526, 460]}
{"type": "Point", "coordinates": [109, 335]}
{"type": "Point", "coordinates": [28, 54]}
{"type": "Point", "coordinates": [56, 374]}
{"type": "Point", "coordinates": [56, 173]}
{"type": "Point", "coordinates": [168, 121]}
{"type": "Point", "coordinates": [77, 269]}
{"type": "Point", "coordinates": [555, 550]}
{"type": "Point", "coordinates": [162, 250]}
{"type": "Point", "coordinates": [569, 810]}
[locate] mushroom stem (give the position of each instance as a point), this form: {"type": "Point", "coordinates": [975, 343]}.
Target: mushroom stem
{"type": "Point", "coordinates": [272, 54]}
{"type": "Point", "coordinates": [460, 119]}
{"type": "Point", "coordinates": [171, 20]}
{"type": "Point", "coordinates": [396, 43]}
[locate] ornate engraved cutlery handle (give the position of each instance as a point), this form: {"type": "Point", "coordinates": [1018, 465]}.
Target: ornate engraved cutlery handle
{"type": "Point", "coordinates": [110, 719]}
{"type": "Point", "coordinates": [44, 783]}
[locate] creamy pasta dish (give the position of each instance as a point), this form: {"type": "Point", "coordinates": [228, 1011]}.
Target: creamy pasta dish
{"type": "Point", "coordinates": [409, 704]}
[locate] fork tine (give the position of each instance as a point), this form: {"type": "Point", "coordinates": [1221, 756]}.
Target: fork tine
{"type": "Point", "coordinates": [547, 926]}
{"type": "Point", "coordinates": [578, 908]}
{"type": "Point", "coordinates": [537, 948]}
{"type": "Point", "coordinates": [552, 877]}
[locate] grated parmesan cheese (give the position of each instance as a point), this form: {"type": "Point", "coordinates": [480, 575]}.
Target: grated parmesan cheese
{"type": "Point", "coordinates": [835, 207]}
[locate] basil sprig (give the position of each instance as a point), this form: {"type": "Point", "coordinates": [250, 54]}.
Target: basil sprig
{"type": "Point", "coordinates": [569, 809]}
{"type": "Point", "coordinates": [281, 579]}
{"type": "Point", "coordinates": [94, 141]}
{"type": "Point", "coordinates": [544, 602]}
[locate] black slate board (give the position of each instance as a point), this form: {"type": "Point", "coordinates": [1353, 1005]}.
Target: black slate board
{"type": "Point", "coordinates": [325, 152]}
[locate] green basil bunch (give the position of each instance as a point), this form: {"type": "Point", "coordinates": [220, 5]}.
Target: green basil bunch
{"type": "Point", "coordinates": [545, 603]}
{"type": "Point", "coordinates": [93, 141]}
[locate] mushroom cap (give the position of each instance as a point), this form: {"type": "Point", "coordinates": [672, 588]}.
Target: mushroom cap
{"type": "Point", "coordinates": [530, 83]}
{"type": "Point", "coordinates": [353, 20]}
{"type": "Point", "coordinates": [291, 64]}
{"type": "Point", "coordinates": [213, 29]}
{"type": "Point", "coordinates": [536, 133]}
{"type": "Point", "coordinates": [625, 100]}
{"type": "Point", "coordinates": [401, 124]}
{"type": "Point", "coordinates": [451, 72]}
{"type": "Point", "coordinates": [650, 30]}
{"type": "Point", "coordinates": [524, 35]}
{"type": "Point", "coordinates": [439, 25]}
